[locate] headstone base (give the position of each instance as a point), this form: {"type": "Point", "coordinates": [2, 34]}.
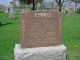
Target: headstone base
{"type": "Point", "coordinates": [40, 53]}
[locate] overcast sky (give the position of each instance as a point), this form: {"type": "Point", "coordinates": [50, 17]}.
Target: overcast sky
{"type": "Point", "coordinates": [5, 2]}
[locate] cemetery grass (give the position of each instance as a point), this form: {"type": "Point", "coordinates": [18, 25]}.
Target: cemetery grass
{"type": "Point", "coordinates": [9, 36]}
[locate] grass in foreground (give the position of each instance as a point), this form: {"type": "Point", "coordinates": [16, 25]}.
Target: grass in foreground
{"type": "Point", "coordinates": [9, 36]}
{"type": "Point", "coordinates": [71, 35]}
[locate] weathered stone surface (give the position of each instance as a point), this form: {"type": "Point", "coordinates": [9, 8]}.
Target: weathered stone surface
{"type": "Point", "coordinates": [41, 28]}
{"type": "Point", "coordinates": [40, 53]}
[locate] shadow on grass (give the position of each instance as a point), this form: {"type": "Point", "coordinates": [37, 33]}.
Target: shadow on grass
{"type": "Point", "coordinates": [16, 17]}
{"type": "Point", "coordinates": [5, 24]}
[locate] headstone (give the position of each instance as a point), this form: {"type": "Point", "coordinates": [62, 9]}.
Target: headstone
{"type": "Point", "coordinates": [11, 10]}
{"type": "Point", "coordinates": [40, 36]}
{"type": "Point", "coordinates": [7, 10]}
{"type": "Point", "coordinates": [70, 10]}
{"type": "Point", "coordinates": [41, 29]}
{"type": "Point", "coordinates": [38, 6]}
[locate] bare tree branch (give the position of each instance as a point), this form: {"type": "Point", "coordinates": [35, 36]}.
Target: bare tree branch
{"type": "Point", "coordinates": [62, 2]}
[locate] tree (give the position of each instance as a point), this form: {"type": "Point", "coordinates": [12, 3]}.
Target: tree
{"type": "Point", "coordinates": [30, 1]}
{"type": "Point", "coordinates": [60, 4]}
{"type": "Point", "coordinates": [76, 1]}
{"type": "Point", "coordinates": [34, 3]}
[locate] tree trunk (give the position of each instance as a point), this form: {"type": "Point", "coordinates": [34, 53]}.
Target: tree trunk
{"type": "Point", "coordinates": [33, 5]}
{"type": "Point", "coordinates": [60, 8]}
{"type": "Point", "coordinates": [60, 5]}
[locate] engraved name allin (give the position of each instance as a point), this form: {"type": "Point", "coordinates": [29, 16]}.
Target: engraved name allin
{"type": "Point", "coordinates": [42, 14]}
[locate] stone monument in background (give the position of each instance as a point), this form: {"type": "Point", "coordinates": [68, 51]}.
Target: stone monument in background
{"type": "Point", "coordinates": [70, 10]}
{"type": "Point", "coordinates": [38, 6]}
{"type": "Point", "coordinates": [40, 35]}
{"type": "Point", "coordinates": [11, 10]}
{"type": "Point", "coordinates": [7, 10]}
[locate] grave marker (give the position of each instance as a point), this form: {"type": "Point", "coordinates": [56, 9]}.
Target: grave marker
{"type": "Point", "coordinates": [41, 29]}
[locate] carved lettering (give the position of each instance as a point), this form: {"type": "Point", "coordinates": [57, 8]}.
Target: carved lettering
{"type": "Point", "coordinates": [42, 14]}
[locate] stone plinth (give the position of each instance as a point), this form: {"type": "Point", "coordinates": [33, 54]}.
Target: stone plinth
{"type": "Point", "coordinates": [40, 53]}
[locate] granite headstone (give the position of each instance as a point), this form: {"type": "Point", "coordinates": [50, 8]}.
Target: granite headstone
{"type": "Point", "coordinates": [41, 28]}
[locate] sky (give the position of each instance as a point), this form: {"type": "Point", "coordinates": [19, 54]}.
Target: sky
{"type": "Point", "coordinates": [5, 2]}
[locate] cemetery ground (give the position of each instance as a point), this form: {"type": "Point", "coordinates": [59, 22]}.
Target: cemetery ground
{"type": "Point", "coordinates": [9, 36]}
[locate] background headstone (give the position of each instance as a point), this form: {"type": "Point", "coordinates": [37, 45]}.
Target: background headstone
{"type": "Point", "coordinates": [11, 10]}
{"type": "Point", "coordinates": [7, 10]}
{"type": "Point", "coordinates": [70, 10]}
{"type": "Point", "coordinates": [38, 6]}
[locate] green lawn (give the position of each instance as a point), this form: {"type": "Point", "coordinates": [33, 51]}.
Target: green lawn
{"type": "Point", "coordinates": [71, 35]}
{"type": "Point", "coordinates": [9, 36]}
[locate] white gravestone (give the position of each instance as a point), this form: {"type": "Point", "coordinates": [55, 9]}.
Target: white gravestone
{"type": "Point", "coordinates": [11, 10]}
{"type": "Point", "coordinates": [6, 11]}
{"type": "Point", "coordinates": [38, 6]}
